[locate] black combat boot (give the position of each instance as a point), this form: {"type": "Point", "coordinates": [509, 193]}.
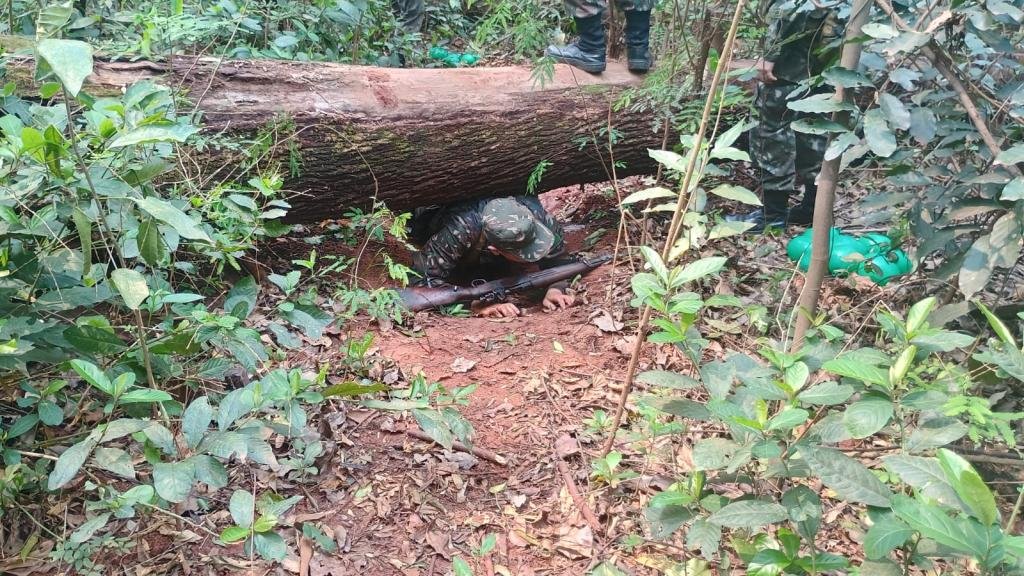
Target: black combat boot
{"type": "Point", "coordinates": [774, 214]}
{"type": "Point", "coordinates": [638, 36]}
{"type": "Point", "coordinates": [803, 214]}
{"type": "Point", "coordinates": [586, 53]}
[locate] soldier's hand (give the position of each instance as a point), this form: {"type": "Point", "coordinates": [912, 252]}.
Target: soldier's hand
{"type": "Point", "coordinates": [503, 310]}
{"type": "Point", "coordinates": [765, 71]}
{"type": "Point", "coordinates": [555, 299]}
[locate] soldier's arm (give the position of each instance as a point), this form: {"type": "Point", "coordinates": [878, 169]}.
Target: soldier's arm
{"type": "Point", "coordinates": [437, 260]}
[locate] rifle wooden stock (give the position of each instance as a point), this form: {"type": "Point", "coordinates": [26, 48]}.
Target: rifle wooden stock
{"type": "Point", "coordinates": [419, 298]}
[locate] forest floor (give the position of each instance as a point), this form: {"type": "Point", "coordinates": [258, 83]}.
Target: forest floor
{"type": "Point", "coordinates": [398, 505]}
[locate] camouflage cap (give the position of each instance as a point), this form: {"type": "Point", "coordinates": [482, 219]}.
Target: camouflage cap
{"type": "Point", "coordinates": [511, 227]}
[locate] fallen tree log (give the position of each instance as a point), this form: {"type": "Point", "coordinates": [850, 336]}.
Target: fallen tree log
{"type": "Point", "coordinates": [413, 137]}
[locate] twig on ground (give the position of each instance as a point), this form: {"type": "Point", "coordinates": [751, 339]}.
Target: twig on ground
{"type": "Point", "coordinates": [577, 499]}
{"type": "Point", "coordinates": [460, 447]}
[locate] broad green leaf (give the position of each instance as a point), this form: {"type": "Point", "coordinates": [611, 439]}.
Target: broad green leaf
{"type": "Point", "coordinates": [820, 104]}
{"type": "Point", "coordinates": [826, 394]}
{"type": "Point", "coordinates": [49, 413]}
{"type": "Point", "coordinates": [1013, 191]}
{"type": "Point", "coordinates": [963, 534]}
{"type": "Point", "coordinates": [648, 194]}
{"type": "Point", "coordinates": [243, 508]}
{"type": "Point", "coordinates": [749, 514]}
{"type": "Point", "coordinates": [846, 78]}
{"type": "Point", "coordinates": [918, 314]}
{"type": "Point", "coordinates": [93, 375]}
{"type": "Point", "coordinates": [885, 536]}
{"type": "Point", "coordinates": [977, 267]}
{"type": "Point", "coordinates": [803, 506]}
{"type": "Point", "coordinates": [796, 376]}
{"type": "Point", "coordinates": [224, 445]}
{"type": "Point", "coordinates": [667, 379]}
{"type": "Point", "coordinates": [818, 126]}
{"type": "Point", "coordinates": [350, 389]}
{"type": "Point", "coordinates": [969, 487]}
{"type": "Point", "coordinates": [906, 41]}
{"type": "Point", "coordinates": [69, 463]}
{"type": "Point", "coordinates": [94, 340]}
{"type": "Point", "coordinates": [925, 475]}
{"type": "Point", "coordinates": [935, 434]}
{"type": "Point", "coordinates": [233, 534]}
{"type": "Point", "coordinates": [161, 437]}
{"type": "Point", "coordinates": [173, 480]}
{"type": "Point", "coordinates": [923, 125]}
{"type": "Point", "coordinates": [879, 137]}
{"type": "Point", "coordinates": [89, 529]}
{"type": "Point", "coordinates": [144, 396]}
{"type": "Point", "coordinates": [737, 193]}
{"type": "Point", "coordinates": [312, 320]}
{"type": "Point", "coordinates": [704, 536]}
{"type": "Point", "coordinates": [668, 159]}
{"type": "Point", "coordinates": [656, 263]}
{"type": "Point", "coordinates": [195, 420]}
{"type": "Point", "coordinates": [131, 285]}
{"type": "Point", "coordinates": [434, 425]}
{"type": "Point", "coordinates": [69, 60]}
{"type": "Point", "coordinates": [52, 18]}
{"type": "Point", "coordinates": [461, 568]}
{"type": "Point", "coordinates": [210, 471]}
{"type": "Point", "coordinates": [114, 460]}
{"type": "Point", "coordinates": [123, 427]}
{"type": "Point", "coordinates": [847, 477]}
{"type": "Point", "coordinates": [154, 133]}
{"type": "Point", "coordinates": [233, 406]}
{"type": "Point", "coordinates": [868, 415]}
{"type": "Point", "coordinates": [273, 506]}
{"type": "Point", "coordinates": [665, 520]}
{"type": "Point", "coordinates": [727, 229]}
{"type": "Point", "coordinates": [1013, 155]}
{"type": "Point", "coordinates": [895, 111]}
{"type": "Point", "coordinates": [173, 217]}
{"type": "Point", "coordinates": [698, 269]}
{"type": "Point", "coordinates": [22, 425]}
{"type": "Point", "coordinates": [269, 545]}
{"type": "Point", "coordinates": [713, 453]}
{"type": "Point", "coordinates": [241, 299]}
{"type": "Point", "coordinates": [880, 31]}
{"type": "Point", "coordinates": [858, 365]}
{"type": "Point", "coordinates": [151, 246]}
{"type": "Point", "coordinates": [788, 419]}
{"type": "Point", "coordinates": [840, 144]}
{"type": "Point", "coordinates": [264, 523]}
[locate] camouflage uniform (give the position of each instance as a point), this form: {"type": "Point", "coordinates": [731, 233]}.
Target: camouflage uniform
{"type": "Point", "coordinates": [410, 14]}
{"type": "Point", "coordinates": [800, 44]}
{"type": "Point", "coordinates": [457, 238]}
{"type": "Point", "coordinates": [588, 8]}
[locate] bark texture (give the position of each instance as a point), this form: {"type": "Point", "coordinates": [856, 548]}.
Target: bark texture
{"type": "Point", "coordinates": [413, 136]}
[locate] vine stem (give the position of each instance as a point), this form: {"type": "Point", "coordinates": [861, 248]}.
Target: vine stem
{"type": "Point", "coordinates": [1016, 510]}
{"type": "Point", "coordinates": [677, 220]}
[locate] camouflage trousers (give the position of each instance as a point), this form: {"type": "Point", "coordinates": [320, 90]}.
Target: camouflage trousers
{"type": "Point", "coordinates": [781, 154]}
{"type": "Point", "coordinates": [410, 14]}
{"type": "Point", "coordinates": [588, 8]}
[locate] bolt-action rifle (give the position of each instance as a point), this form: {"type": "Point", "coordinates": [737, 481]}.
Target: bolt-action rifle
{"type": "Point", "coordinates": [419, 298]}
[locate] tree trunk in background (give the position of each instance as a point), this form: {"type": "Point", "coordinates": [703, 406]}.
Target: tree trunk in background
{"type": "Point", "coordinates": [410, 136]}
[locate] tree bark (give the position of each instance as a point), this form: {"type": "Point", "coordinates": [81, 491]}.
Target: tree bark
{"type": "Point", "coordinates": [409, 137]}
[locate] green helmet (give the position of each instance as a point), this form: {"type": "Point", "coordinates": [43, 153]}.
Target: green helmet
{"type": "Point", "coordinates": [512, 228]}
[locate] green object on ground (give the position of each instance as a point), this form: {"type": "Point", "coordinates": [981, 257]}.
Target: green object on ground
{"type": "Point", "coordinates": [870, 255]}
{"type": "Point", "coordinates": [453, 59]}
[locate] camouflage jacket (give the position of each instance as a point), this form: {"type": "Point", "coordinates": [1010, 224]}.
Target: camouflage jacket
{"type": "Point", "coordinates": [802, 39]}
{"type": "Point", "coordinates": [457, 241]}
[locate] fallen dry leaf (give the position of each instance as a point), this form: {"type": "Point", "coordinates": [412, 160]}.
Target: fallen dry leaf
{"type": "Point", "coordinates": [604, 321]}
{"type": "Point", "coordinates": [566, 446]}
{"type": "Point", "coordinates": [462, 365]}
{"type": "Point", "coordinates": [439, 542]}
{"type": "Point", "coordinates": [576, 543]}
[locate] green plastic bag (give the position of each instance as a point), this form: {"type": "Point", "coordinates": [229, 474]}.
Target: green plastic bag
{"type": "Point", "coordinates": [870, 255]}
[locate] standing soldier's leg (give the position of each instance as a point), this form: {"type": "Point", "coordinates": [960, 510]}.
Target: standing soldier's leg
{"type": "Point", "coordinates": [773, 152]}
{"type": "Point", "coordinates": [588, 52]}
{"type": "Point", "coordinates": [638, 33]}
{"type": "Point", "coordinates": [410, 14]}
{"type": "Point", "coordinates": [810, 152]}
